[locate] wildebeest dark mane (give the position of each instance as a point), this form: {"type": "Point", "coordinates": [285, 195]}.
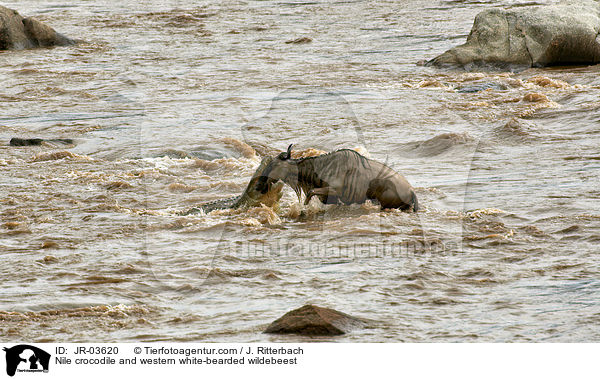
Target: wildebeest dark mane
{"type": "Point", "coordinates": [346, 151]}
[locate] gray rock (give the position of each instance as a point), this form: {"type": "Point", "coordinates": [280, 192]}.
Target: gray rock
{"type": "Point", "coordinates": [563, 34]}
{"type": "Point", "coordinates": [18, 33]}
{"type": "Point", "coordinates": [311, 320]}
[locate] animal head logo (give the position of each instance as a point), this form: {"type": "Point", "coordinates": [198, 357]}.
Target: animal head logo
{"type": "Point", "coordinates": [26, 358]}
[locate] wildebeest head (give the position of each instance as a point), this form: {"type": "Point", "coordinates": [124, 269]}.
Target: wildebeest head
{"type": "Point", "coordinates": [283, 167]}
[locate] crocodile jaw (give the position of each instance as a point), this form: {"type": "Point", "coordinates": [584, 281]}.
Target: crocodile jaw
{"type": "Point", "coordinates": [252, 198]}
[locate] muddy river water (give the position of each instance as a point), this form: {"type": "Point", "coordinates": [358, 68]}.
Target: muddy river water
{"type": "Point", "coordinates": [173, 103]}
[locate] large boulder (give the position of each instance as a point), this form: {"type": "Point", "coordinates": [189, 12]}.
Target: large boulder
{"type": "Point", "coordinates": [562, 34]}
{"type": "Point", "coordinates": [18, 33]}
{"type": "Point", "coordinates": [311, 320]}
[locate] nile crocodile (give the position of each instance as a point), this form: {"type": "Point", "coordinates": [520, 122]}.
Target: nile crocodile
{"type": "Point", "coordinates": [249, 198]}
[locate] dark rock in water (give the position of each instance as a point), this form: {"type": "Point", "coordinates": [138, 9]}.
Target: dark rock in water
{"type": "Point", "coordinates": [25, 141]}
{"type": "Point", "coordinates": [299, 40]}
{"type": "Point", "coordinates": [562, 34]}
{"type": "Point", "coordinates": [311, 320]}
{"type": "Point", "coordinates": [481, 87]}
{"type": "Point", "coordinates": [38, 141]}
{"type": "Point", "coordinates": [18, 33]}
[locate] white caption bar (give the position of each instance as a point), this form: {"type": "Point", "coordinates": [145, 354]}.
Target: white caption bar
{"type": "Point", "coordinates": [74, 360]}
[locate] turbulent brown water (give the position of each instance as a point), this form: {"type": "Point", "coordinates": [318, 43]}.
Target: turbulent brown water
{"type": "Point", "coordinates": [173, 103]}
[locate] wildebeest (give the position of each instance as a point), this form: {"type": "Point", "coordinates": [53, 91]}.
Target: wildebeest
{"type": "Point", "coordinates": [343, 175]}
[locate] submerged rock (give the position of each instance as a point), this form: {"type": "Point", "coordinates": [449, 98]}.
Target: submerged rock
{"type": "Point", "coordinates": [562, 34]}
{"type": "Point", "coordinates": [478, 87]}
{"type": "Point", "coordinates": [311, 320]}
{"type": "Point", "coordinates": [436, 145]}
{"type": "Point", "coordinates": [300, 40]}
{"type": "Point", "coordinates": [18, 33]}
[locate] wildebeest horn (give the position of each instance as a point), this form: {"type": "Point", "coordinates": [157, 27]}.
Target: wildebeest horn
{"type": "Point", "coordinates": [289, 151]}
